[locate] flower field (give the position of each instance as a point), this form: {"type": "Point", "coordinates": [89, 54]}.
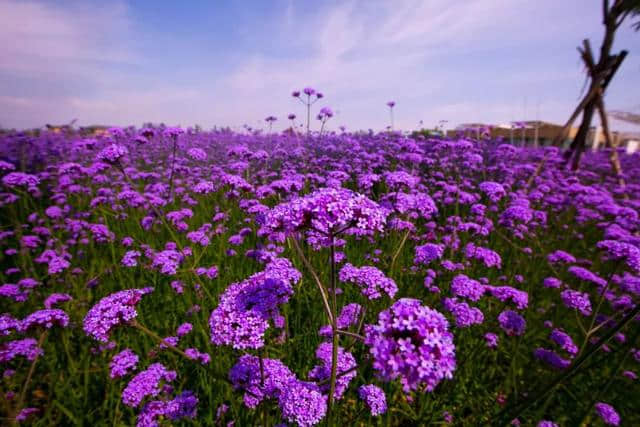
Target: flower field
{"type": "Point", "coordinates": [164, 275]}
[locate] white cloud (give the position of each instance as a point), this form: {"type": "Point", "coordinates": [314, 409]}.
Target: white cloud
{"type": "Point", "coordinates": [437, 58]}
{"type": "Point", "coordinates": [39, 37]}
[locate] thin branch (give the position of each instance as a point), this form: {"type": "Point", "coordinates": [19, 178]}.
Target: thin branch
{"type": "Point", "coordinates": [323, 294]}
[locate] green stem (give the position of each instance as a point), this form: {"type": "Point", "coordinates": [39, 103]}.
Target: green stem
{"type": "Point", "coordinates": [334, 330]}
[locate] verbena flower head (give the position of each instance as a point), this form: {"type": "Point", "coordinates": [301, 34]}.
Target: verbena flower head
{"type": "Point", "coordinates": [146, 383]}
{"type": "Point", "coordinates": [578, 300]}
{"type": "Point", "coordinates": [27, 347]}
{"type": "Point", "coordinates": [183, 406]}
{"type": "Point", "coordinates": [242, 317]}
{"type": "Point", "coordinates": [375, 399]}
{"type": "Point", "coordinates": [123, 363]}
{"type": "Point", "coordinates": [466, 287]}
{"type": "Point", "coordinates": [587, 276]}
{"type": "Point", "coordinates": [55, 299]}
{"type": "Point", "coordinates": [487, 256]}
{"type": "Point", "coordinates": [45, 318]}
{"type": "Point", "coordinates": [428, 252]}
{"type": "Point", "coordinates": [564, 341]}
{"type": "Point", "coordinates": [561, 257]}
{"type": "Point", "coordinates": [512, 323]}
{"type": "Point", "coordinates": [111, 311]}
{"type": "Point", "coordinates": [8, 324]}
{"type": "Point", "coordinates": [551, 358]}
{"type": "Point", "coordinates": [346, 362]}
{"type": "Point", "coordinates": [302, 403]}
{"type": "Point", "coordinates": [20, 179]}
{"type": "Point", "coordinates": [328, 210]}
{"type": "Point", "coordinates": [607, 413]}
{"type": "Point", "coordinates": [493, 190]}
{"type": "Point", "coordinates": [627, 252]}
{"type": "Point", "coordinates": [412, 342]}
{"type": "Point", "coordinates": [391, 104]}
{"type": "Point", "coordinates": [112, 153]}
{"type": "Point", "coordinates": [370, 279]}
{"type": "Point", "coordinates": [245, 376]}
{"type": "Point", "coordinates": [464, 314]}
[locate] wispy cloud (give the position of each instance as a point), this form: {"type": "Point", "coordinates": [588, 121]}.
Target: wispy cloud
{"type": "Point", "coordinates": [462, 61]}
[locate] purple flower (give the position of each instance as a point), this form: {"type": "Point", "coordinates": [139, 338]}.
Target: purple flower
{"type": "Point", "coordinates": [45, 318]}
{"type": "Point", "coordinates": [245, 375]}
{"type": "Point", "coordinates": [123, 363]}
{"type": "Point", "coordinates": [622, 251]}
{"type": "Point", "coordinates": [241, 318]}
{"type": "Point", "coordinates": [464, 314]}
{"type": "Point", "coordinates": [428, 252]}
{"type": "Point", "coordinates": [27, 347]}
{"type": "Point", "coordinates": [375, 399]}
{"type": "Point", "coordinates": [391, 104]}
{"type": "Point", "coordinates": [348, 317]}
{"type": "Point", "coordinates": [345, 370]}
{"type": "Point", "coordinates": [8, 324]}
{"type": "Point", "coordinates": [370, 279]}
{"type": "Point", "coordinates": [55, 299]}
{"type": "Point", "coordinates": [195, 354]}
{"type": "Point", "coordinates": [146, 383]}
{"type": "Point", "coordinates": [412, 342]}
{"type": "Point", "coordinates": [20, 179]}
{"type": "Point", "coordinates": [564, 341]}
{"type": "Point", "coordinates": [112, 153]}
{"type": "Point", "coordinates": [130, 258]}
{"type": "Point", "coordinates": [561, 257]}
{"type": "Point", "coordinates": [309, 91]}
{"type": "Point", "coordinates": [184, 329]}
{"type": "Point", "coordinates": [491, 340]}
{"type": "Point", "coordinates": [183, 406]}
{"type": "Point", "coordinates": [551, 358]}
{"type": "Point", "coordinates": [506, 293]}
{"type": "Point", "coordinates": [302, 403]}
{"type": "Point", "coordinates": [327, 210]}
{"type": "Point", "coordinates": [25, 413]}
{"type": "Point", "coordinates": [493, 190]}
{"type": "Point", "coordinates": [546, 423]}
{"type": "Point", "coordinates": [607, 413]}
{"type": "Point", "coordinates": [197, 154]}
{"type": "Point", "coordinates": [487, 256]}
{"type": "Point", "coordinates": [587, 276]}
{"type": "Point", "coordinates": [57, 265]}
{"type": "Point", "coordinates": [512, 323]}
{"type": "Point", "coordinates": [463, 286]}
{"type": "Point", "coordinates": [552, 282]}
{"type": "Point", "coordinates": [112, 310]}
{"type": "Point", "coordinates": [167, 261]}
{"type": "Point", "coordinates": [578, 300]}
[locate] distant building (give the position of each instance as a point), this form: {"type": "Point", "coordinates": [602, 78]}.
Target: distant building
{"type": "Point", "coordinates": [537, 133]}
{"type": "Point", "coordinates": [94, 130]}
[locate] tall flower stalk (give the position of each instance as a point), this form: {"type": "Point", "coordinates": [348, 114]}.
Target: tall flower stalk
{"type": "Point", "coordinates": [391, 104]}
{"type": "Point", "coordinates": [308, 102]}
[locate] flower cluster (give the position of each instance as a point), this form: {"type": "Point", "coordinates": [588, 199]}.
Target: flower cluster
{"type": "Point", "coordinates": [371, 281]}
{"type": "Point", "coordinates": [328, 210]}
{"type": "Point", "coordinates": [242, 317]}
{"type": "Point", "coordinates": [412, 342]}
{"type": "Point", "coordinates": [111, 311]}
{"type": "Point", "coordinates": [146, 383]}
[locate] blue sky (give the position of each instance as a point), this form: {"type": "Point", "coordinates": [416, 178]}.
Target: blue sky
{"type": "Point", "coordinates": [236, 62]}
